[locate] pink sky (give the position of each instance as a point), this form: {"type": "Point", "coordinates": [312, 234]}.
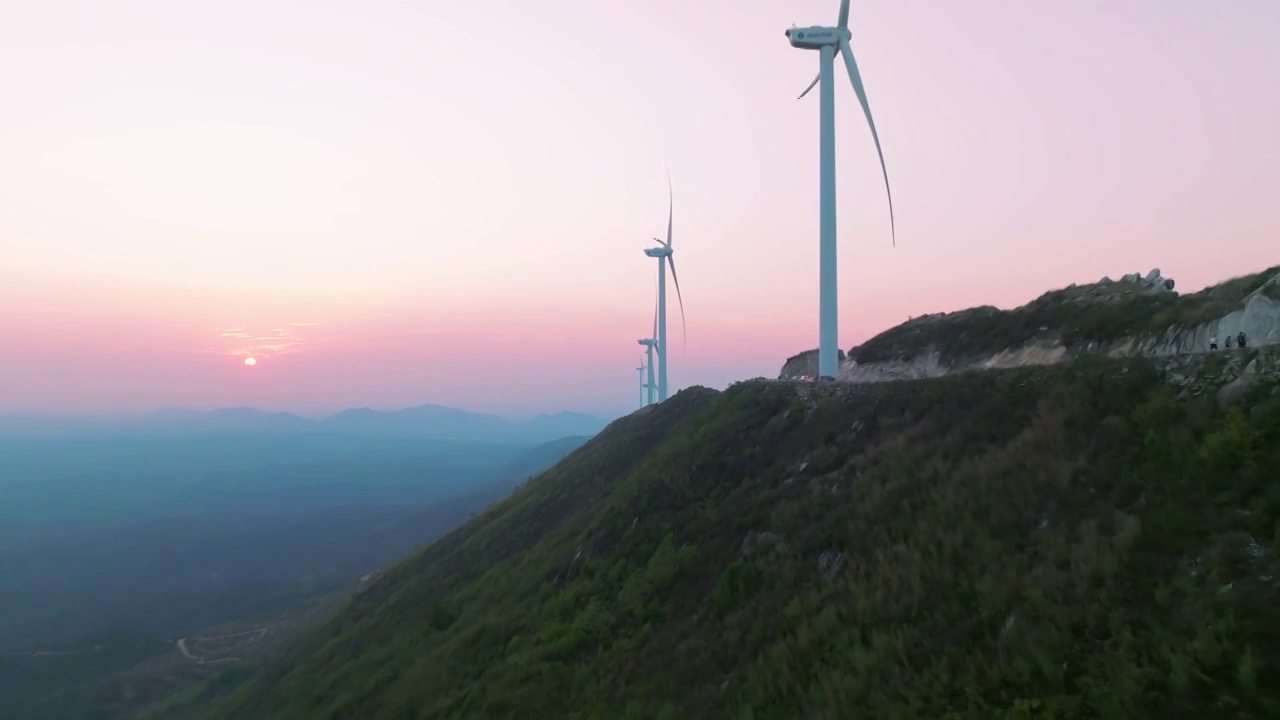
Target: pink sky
{"type": "Point", "coordinates": [411, 203]}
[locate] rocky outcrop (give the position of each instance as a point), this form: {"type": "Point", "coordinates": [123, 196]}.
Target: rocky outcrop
{"type": "Point", "coordinates": [1257, 314]}
{"type": "Point", "coordinates": [1258, 318]}
{"type": "Point", "coordinates": [1153, 281]}
{"type": "Point", "coordinates": [922, 366]}
{"type": "Point", "coordinates": [806, 363]}
{"type": "Point", "coordinates": [1227, 376]}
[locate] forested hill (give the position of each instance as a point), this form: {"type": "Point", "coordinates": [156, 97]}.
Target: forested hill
{"type": "Point", "coordinates": [1094, 538]}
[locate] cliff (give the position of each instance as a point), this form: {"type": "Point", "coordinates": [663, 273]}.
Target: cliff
{"type": "Point", "coordinates": [1137, 316]}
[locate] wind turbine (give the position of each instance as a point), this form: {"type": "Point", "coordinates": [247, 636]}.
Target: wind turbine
{"type": "Point", "coordinates": [830, 41]}
{"type": "Point", "coordinates": [641, 371]}
{"type": "Point", "coordinates": [650, 344]}
{"type": "Point", "coordinates": [663, 254]}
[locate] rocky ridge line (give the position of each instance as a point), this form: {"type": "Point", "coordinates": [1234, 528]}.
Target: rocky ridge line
{"type": "Point", "coordinates": [935, 344]}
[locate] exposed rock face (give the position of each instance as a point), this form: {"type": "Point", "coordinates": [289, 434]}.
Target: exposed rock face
{"type": "Point", "coordinates": [1257, 315]}
{"type": "Point", "coordinates": [1258, 319]}
{"type": "Point", "coordinates": [1034, 353]}
{"type": "Point", "coordinates": [806, 363]}
{"type": "Point", "coordinates": [1228, 378]}
{"type": "Point", "coordinates": [921, 366]}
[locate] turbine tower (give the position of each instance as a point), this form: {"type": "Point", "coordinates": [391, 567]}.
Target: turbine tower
{"type": "Point", "coordinates": [663, 254]}
{"type": "Point", "coordinates": [641, 371]}
{"type": "Point", "coordinates": [830, 41]}
{"type": "Point", "coordinates": [651, 344]}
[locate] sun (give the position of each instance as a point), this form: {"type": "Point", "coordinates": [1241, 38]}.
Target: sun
{"type": "Point", "coordinates": [251, 361]}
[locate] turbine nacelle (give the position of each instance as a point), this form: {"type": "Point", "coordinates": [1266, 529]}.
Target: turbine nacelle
{"type": "Point", "coordinates": [815, 38]}
{"type": "Point", "coordinates": [648, 343]}
{"type": "Point", "coordinates": [658, 252]}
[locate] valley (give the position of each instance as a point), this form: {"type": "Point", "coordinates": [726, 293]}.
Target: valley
{"type": "Point", "coordinates": [212, 550]}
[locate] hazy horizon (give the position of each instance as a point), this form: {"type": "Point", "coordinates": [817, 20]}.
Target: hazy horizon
{"type": "Point", "coordinates": [392, 205]}
{"type": "Point", "coordinates": [317, 415]}
{"type": "Point", "coordinates": [609, 411]}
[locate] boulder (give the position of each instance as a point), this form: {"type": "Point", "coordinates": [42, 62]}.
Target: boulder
{"type": "Point", "coordinates": [1157, 283]}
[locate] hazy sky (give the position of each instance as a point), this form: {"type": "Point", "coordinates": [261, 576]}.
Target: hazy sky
{"type": "Point", "coordinates": [394, 203]}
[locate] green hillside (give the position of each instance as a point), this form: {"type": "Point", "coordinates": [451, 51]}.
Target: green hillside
{"type": "Point", "coordinates": [1092, 539]}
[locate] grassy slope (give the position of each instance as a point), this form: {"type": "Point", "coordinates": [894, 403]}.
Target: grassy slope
{"type": "Point", "coordinates": [1062, 540]}
{"type": "Point", "coordinates": [1084, 314]}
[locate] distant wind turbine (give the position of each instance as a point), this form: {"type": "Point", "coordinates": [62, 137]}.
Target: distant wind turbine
{"type": "Point", "coordinates": [650, 344]}
{"type": "Point", "coordinates": [829, 41]}
{"type": "Point", "coordinates": [641, 371]}
{"type": "Point", "coordinates": [663, 254]}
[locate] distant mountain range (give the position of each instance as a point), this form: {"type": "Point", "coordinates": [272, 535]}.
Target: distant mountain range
{"type": "Point", "coordinates": [436, 422]}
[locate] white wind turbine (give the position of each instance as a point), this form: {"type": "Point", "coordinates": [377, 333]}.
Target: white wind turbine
{"type": "Point", "coordinates": [663, 254]}
{"type": "Point", "coordinates": [651, 344]}
{"type": "Point", "coordinates": [641, 371]}
{"type": "Point", "coordinates": [830, 41]}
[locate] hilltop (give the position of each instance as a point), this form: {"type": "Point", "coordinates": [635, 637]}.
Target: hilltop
{"type": "Point", "coordinates": [1136, 316]}
{"type": "Point", "coordinates": [1092, 537]}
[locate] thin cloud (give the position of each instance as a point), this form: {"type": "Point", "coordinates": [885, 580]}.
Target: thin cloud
{"type": "Point", "coordinates": [279, 348]}
{"type": "Point", "coordinates": [276, 341]}
{"type": "Point", "coordinates": [232, 332]}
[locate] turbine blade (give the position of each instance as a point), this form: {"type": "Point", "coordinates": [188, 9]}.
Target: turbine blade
{"type": "Point", "coordinates": [684, 332]}
{"type": "Point", "coordinates": [844, 13]}
{"type": "Point", "coordinates": [659, 241]}
{"type": "Point", "coordinates": [815, 82]}
{"type": "Point", "coordinates": [670, 208]}
{"type": "Point", "coordinates": [856, 78]}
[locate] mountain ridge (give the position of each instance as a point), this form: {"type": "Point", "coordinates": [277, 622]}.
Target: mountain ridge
{"type": "Point", "coordinates": [1134, 316]}
{"type": "Point", "coordinates": [437, 422]}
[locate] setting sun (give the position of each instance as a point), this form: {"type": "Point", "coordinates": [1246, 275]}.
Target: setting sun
{"type": "Point", "coordinates": [250, 361]}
